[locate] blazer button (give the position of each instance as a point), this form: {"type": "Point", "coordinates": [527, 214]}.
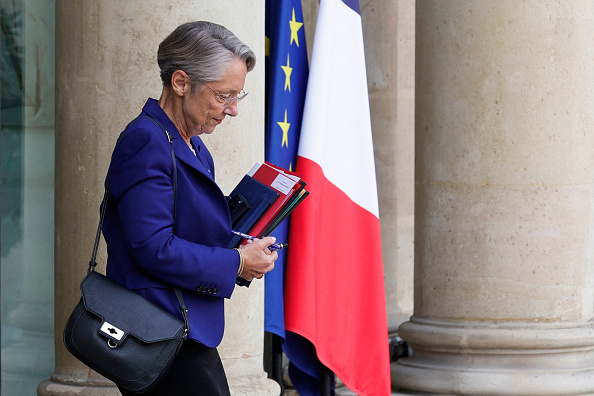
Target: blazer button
{"type": "Point", "coordinates": [215, 291]}
{"type": "Point", "coordinates": [211, 290]}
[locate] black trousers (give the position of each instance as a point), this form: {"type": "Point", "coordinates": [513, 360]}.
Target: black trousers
{"type": "Point", "coordinates": [196, 371]}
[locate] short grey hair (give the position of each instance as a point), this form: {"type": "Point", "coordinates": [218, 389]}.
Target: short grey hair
{"type": "Point", "coordinates": [202, 50]}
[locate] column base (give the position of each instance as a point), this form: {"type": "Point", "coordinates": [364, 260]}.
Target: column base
{"type": "Point", "coordinates": [259, 385]}
{"type": "Point", "coordinates": [536, 359]}
{"type": "Point", "coordinates": [56, 386]}
{"type": "Point", "coordinates": [64, 385]}
{"type": "Point", "coordinates": [50, 388]}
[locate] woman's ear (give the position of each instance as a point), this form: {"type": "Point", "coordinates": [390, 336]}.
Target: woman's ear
{"type": "Point", "coordinates": [180, 83]}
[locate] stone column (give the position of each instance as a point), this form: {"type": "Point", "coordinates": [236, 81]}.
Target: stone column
{"type": "Point", "coordinates": [504, 200]}
{"type": "Point", "coordinates": [105, 70]}
{"type": "Point", "coordinates": [390, 59]}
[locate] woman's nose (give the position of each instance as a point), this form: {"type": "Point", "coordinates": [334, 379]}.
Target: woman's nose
{"type": "Point", "coordinates": [232, 109]}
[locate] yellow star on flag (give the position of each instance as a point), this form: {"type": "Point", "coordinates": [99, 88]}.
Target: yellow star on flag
{"type": "Point", "coordinates": [285, 127]}
{"type": "Point", "coordinates": [295, 26]}
{"type": "Point", "coordinates": [287, 69]}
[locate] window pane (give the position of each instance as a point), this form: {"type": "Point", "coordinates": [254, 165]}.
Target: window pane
{"type": "Point", "coordinates": [27, 193]}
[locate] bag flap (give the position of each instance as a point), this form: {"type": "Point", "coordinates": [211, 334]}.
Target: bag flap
{"type": "Point", "coordinates": [124, 311]}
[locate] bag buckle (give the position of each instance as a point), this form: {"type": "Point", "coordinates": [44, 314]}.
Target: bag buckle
{"type": "Point", "coordinates": [112, 332]}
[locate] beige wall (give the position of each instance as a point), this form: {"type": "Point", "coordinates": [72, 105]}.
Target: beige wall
{"type": "Point", "coordinates": [390, 58]}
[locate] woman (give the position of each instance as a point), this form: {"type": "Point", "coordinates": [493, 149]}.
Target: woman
{"type": "Point", "coordinates": [153, 247]}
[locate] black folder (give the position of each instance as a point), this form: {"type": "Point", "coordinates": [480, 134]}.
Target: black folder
{"type": "Point", "coordinates": [257, 198]}
{"type": "Point", "coordinates": [296, 199]}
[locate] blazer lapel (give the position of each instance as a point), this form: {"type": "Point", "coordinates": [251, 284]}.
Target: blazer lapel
{"type": "Point", "coordinates": [203, 155]}
{"type": "Point", "coordinates": [183, 153]}
{"type": "Point", "coordinates": [202, 161]}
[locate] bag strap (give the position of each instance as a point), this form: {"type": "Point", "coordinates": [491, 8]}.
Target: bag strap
{"type": "Point", "coordinates": [93, 263]}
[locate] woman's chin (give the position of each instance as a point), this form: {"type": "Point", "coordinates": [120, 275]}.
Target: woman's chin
{"type": "Point", "coordinates": [206, 130]}
{"type": "Point", "coordinates": [209, 128]}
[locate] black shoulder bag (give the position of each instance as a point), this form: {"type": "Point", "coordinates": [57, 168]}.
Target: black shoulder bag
{"type": "Point", "coordinates": [117, 332]}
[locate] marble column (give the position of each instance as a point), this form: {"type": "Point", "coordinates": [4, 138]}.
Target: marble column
{"type": "Point", "coordinates": [105, 70]}
{"type": "Point", "coordinates": [504, 200]}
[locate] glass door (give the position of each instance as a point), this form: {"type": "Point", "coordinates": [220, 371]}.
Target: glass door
{"type": "Point", "coordinates": [27, 193]}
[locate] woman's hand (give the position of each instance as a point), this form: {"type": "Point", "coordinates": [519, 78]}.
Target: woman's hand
{"type": "Point", "coordinates": [257, 258]}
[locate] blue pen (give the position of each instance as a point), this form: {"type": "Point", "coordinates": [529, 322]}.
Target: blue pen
{"type": "Point", "coordinates": [244, 236]}
{"type": "Point", "coordinates": [276, 246]}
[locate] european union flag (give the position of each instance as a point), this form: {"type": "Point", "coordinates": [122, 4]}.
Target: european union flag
{"type": "Point", "coordinates": [286, 82]}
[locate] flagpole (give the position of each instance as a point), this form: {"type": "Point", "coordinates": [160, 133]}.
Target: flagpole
{"type": "Point", "coordinates": [273, 358]}
{"type": "Point", "coordinates": [326, 378]}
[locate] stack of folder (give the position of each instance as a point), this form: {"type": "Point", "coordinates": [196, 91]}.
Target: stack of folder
{"type": "Point", "coordinates": [263, 199]}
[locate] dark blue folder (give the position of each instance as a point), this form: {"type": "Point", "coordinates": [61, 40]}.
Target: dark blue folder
{"type": "Point", "coordinates": [259, 197]}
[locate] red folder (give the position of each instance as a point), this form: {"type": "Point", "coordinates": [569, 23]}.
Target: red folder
{"type": "Point", "coordinates": [283, 182]}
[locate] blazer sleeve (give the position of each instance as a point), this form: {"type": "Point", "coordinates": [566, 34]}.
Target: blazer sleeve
{"type": "Point", "coordinates": [141, 184]}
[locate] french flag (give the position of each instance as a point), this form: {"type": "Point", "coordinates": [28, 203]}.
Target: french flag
{"type": "Point", "coordinates": [334, 282]}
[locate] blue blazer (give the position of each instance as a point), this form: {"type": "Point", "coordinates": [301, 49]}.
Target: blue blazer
{"type": "Point", "coordinates": [144, 253]}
